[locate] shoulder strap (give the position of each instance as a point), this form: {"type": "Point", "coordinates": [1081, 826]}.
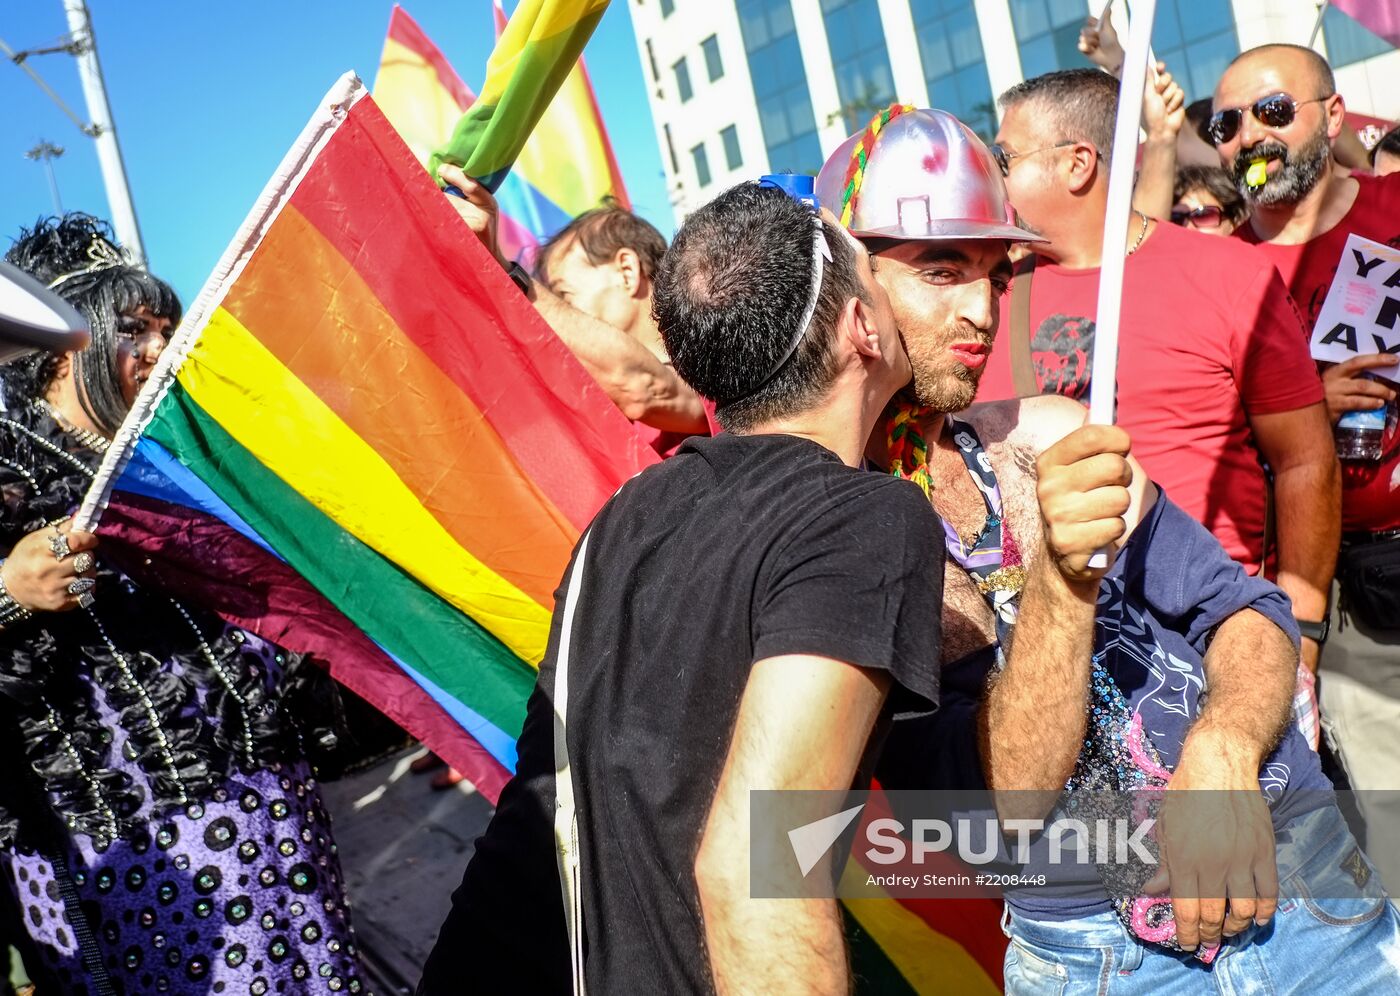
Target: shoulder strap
{"type": "Point", "coordinates": [565, 808]}
{"type": "Point", "coordinates": [1022, 369]}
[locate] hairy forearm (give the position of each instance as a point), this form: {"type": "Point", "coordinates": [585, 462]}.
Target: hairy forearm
{"type": "Point", "coordinates": [753, 951]}
{"type": "Point", "coordinates": [642, 387]}
{"type": "Point", "coordinates": [1307, 502]}
{"type": "Point", "coordinates": [1251, 667]}
{"type": "Point", "coordinates": [1155, 192]}
{"type": "Point", "coordinates": [1034, 717]}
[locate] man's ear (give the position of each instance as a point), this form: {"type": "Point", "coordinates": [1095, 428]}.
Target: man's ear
{"type": "Point", "coordinates": [1336, 116]}
{"type": "Point", "coordinates": [859, 330]}
{"type": "Point", "coordinates": [629, 268]}
{"type": "Point", "coordinates": [1082, 164]}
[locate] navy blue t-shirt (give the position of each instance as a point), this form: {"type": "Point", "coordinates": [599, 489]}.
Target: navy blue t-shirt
{"type": "Point", "coordinates": [1170, 587]}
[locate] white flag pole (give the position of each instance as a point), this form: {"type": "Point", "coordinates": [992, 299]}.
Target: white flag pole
{"type": "Point", "coordinates": [1120, 211]}
{"type": "Point", "coordinates": [1121, 170]}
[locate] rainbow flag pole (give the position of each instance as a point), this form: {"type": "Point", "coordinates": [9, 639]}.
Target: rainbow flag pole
{"type": "Point", "coordinates": [533, 57]}
{"type": "Point", "coordinates": [566, 166]}
{"type": "Point", "coordinates": [363, 444]}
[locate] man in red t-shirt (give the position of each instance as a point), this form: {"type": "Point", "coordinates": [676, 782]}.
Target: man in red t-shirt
{"type": "Point", "coordinates": [1214, 376]}
{"type": "Point", "coordinates": [1303, 213]}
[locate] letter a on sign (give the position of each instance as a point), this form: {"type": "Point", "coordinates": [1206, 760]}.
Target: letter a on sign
{"type": "Point", "coordinates": [1360, 313]}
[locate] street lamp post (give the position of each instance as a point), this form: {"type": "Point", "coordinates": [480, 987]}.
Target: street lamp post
{"type": "Point", "coordinates": [46, 152]}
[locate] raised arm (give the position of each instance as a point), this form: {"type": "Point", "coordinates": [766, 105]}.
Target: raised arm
{"type": "Point", "coordinates": [1163, 114]}
{"type": "Point", "coordinates": [1033, 721]}
{"type": "Point", "coordinates": [643, 387]}
{"type": "Point", "coordinates": [803, 724]}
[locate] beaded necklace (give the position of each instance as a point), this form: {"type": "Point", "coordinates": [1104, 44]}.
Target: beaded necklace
{"type": "Point", "coordinates": [992, 557]}
{"type": "Point", "coordinates": [90, 439]}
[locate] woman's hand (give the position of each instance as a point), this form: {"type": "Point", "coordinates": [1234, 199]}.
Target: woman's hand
{"type": "Point", "coordinates": [37, 579]}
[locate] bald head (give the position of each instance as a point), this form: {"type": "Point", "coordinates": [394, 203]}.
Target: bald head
{"type": "Point", "coordinates": [1301, 67]}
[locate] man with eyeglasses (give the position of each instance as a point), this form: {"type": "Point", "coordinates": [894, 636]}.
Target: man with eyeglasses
{"type": "Point", "coordinates": [1214, 375]}
{"type": "Point", "coordinates": [1277, 112]}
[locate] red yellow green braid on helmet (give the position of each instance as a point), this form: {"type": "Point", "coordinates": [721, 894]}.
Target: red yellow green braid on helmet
{"type": "Point", "coordinates": [860, 154]}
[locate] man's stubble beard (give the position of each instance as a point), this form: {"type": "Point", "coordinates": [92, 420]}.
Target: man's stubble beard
{"type": "Point", "coordinates": [952, 392]}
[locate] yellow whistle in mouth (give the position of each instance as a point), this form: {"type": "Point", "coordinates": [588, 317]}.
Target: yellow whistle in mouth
{"type": "Point", "coordinates": [1258, 173]}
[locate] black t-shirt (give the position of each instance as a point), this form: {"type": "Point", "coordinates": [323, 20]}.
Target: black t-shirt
{"type": "Point", "coordinates": [737, 549]}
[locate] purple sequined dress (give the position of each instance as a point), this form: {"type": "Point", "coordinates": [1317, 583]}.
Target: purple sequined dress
{"type": "Point", "coordinates": [159, 823]}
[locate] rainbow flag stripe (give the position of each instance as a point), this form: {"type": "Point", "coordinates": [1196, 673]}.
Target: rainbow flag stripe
{"type": "Point", "coordinates": [566, 166]}
{"type": "Point", "coordinates": [362, 405]}
{"type": "Point", "coordinates": [532, 59]}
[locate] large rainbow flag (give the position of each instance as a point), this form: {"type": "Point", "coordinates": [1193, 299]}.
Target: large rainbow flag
{"type": "Point", "coordinates": [364, 444]}
{"type": "Point", "coordinates": [566, 166]}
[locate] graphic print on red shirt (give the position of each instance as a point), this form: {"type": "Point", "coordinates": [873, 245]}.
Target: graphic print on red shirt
{"type": "Point", "coordinates": [1209, 338]}
{"type": "Point", "coordinates": [1371, 489]}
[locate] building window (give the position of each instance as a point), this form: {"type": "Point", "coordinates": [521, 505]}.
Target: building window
{"type": "Point", "coordinates": [651, 61]}
{"type": "Point", "coordinates": [733, 158]}
{"type": "Point", "coordinates": [668, 7]}
{"type": "Point", "coordinates": [702, 165]}
{"type": "Point", "coordinates": [780, 85]}
{"type": "Point", "coordinates": [713, 63]}
{"type": "Point", "coordinates": [1047, 32]}
{"type": "Point", "coordinates": [682, 72]}
{"type": "Point", "coordinates": [671, 152]}
{"type": "Point", "coordinates": [1197, 40]}
{"type": "Point", "coordinates": [1347, 41]}
{"type": "Point", "coordinates": [955, 67]}
{"type": "Point", "coordinates": [859, 59]}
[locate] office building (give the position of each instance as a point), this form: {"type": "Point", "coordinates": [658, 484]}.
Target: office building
{"type": "Point", "coordinates": [743, 87]}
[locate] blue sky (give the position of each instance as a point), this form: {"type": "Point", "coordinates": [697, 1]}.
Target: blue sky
{"type": "Point", "coordinates": [207, 97]}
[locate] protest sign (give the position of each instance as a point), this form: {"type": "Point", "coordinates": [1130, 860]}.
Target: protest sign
{"type": "Point", "coordinates": [1361, 314]}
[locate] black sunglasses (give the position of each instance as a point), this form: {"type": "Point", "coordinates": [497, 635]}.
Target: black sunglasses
{"type": "Point", "coordinates": [1275, 111]}
{"type": "Point", "coordinates": [1201, 217]}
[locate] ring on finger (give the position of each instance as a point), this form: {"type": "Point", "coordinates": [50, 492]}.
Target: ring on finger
{"type": "Point", "coordinates": [86, 599]}
{"type": "Point", "coordinates": [58, 543]}
{"type": "Point", "coordinates": [83, 562]}
{"type": "Point", "coordinates": [81, 586]}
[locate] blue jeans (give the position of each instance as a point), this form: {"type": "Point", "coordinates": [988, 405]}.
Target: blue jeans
{"type": "Point", "coordinates": [1330, 946]}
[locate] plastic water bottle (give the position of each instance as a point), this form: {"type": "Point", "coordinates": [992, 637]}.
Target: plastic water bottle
{"type": "Point", "coordinates": [1358, 434]}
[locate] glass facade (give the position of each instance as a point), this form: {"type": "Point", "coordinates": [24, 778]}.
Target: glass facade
{"type": "Point", "coordinates": [702, 165]}
{"type": "Point", "coordinates": [733, 157]}
{"type": "Point", "coordinates": [1347, 41]}
{"type": "Point", "coordinates": [714, 65]}
{"type": "Point", "coordinates": [683, 88]}
{"type": "Point", "coordinates": [1197, 40]}
{"type": "Point", "coordinates": [856, 37]}
{"type": "Point", "coordinates": [1047, 33]}
{"type": "Point", "coordinates": [780, 85]}
{"type": "Point", "coordinates": [668, 7]}
{"type": "Point", "coordinates": [955, 67]}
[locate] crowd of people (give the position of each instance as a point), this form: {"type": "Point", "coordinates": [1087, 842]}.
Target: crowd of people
{"type": "Point", "coordinates": [886, 520]}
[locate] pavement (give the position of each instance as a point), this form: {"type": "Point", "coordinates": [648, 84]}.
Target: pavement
{"type": "Point", "coordinates": [403, 848]}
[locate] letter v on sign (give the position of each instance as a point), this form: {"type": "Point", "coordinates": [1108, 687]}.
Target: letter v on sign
{"type": "Point", "coordinates": [811, 840]}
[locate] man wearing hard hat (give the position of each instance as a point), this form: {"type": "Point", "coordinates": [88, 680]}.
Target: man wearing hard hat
{"type": "Point", "coordinates": [926, 197]}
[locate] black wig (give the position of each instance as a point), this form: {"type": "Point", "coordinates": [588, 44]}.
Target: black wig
{"type": "Point", "coordinates": [78, 257]}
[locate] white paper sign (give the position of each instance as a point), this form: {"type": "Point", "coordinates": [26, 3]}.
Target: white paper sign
{"type": "Point", "coordinates": [1361, 315]}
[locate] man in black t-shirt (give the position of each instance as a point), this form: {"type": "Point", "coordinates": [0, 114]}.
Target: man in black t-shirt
{"type": "Point", "coordinates": [741, 617]}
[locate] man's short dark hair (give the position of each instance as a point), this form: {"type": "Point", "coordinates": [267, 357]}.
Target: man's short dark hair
{"type": "Point", "coordinates": [731, 293]}
{"type": "Point", "coordinates": [1216, 182]}
{"type": "Point", "coordinates": [1327, 83]}
{"type": "Point", "coordinates": [1081, 105]}
{"type": "Point", "coordinates": [1390, 142]}
{"type": "Point", "coordinates": [602, 232]}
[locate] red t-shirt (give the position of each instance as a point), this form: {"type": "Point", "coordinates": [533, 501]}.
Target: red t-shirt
{"type": "Point", "coordinates": [1370, 491]}
{"type": "Point", "coordinates": [1209, 337]}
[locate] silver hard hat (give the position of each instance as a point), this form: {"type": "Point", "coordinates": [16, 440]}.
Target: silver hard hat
{"type": "Point", "coordinates": [926, 176]}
